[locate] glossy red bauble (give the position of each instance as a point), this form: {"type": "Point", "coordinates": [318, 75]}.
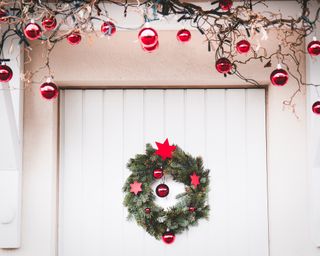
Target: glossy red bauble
{"type": "Point", "coordinates": [158, 173]}
{"type": "Point", "coordinates": [314, 48]}
{"type": "Point", "coordinates": [168, 237]}
{"type": "Point", "coordinates": [316, 107]}
{"type": "Point", "coordinates": [49, 23]}
{"type": "Point", "coordinates": [49, 90]}
{"type": "Point", "coordinates": [32, 31]}
{"type": "Point", "coordinates": [279, 77]}
{"type": "Point", "coordinates": [108, 28]}
{"type": "Point", "coordinates": [223, 65]}
{"type": "Point", "coordinates": [162, 190]}
{"type": "Point", "coordinates": [183, 35]}
{"type": "Point", "coordinates": [192, 209]}
{"type": "Point", "coordinates": [243, 46]}
{"type": "Point", "coordinates": [147, 210]}
{"type": "Point", "coordinates": [225, 4]}
{"type": "Point", "coordinates": [3, 14]}
{"type": "Point", "coordinates": [74, 38]}
{"type": "Point", "coordinates": [5, 73]}
{"type": "Point", "coordinates": [148, 38]}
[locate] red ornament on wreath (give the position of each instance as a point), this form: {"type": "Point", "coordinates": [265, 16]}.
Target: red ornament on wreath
{"type": "Point", "coordinates": [135, 187]}
{"type": "Point", "coordinates": [32, 31]}
{"type": "Point", "coordinates": [165, 150]}
{"type": "Point", "coordinates": [223, 65]}
{"type": "Point", "coordinates": [243, 46]}
{"type": "Point", "coordinates": [183, 35]}
{"type": "Point", "coordinates": [225, 4]}
{"type": "Point", "coordinates": [5, 73]}
{"type": "Point", "coordinates": [151, 48]}
{"type": "Point", "coordinates": [148, 37]}
{"type": "Point", "coordinates": [168, 237]}
{"type": "Point", "coordinates": [147, 210]}
{"type": "Point", "coordinates": [108, 28]}
{"type": "Point", "coordinates": [49, 23]}
{"type": "Point", "coordinates": [316, 108]}
{"type": "Point", "coordinates": [74, 38]}
{"type": "Point", "coordinates": [192, 209]}
{"type": "Point", "coordinates": [194, 180]}
{"type": "Point", "coordinates": [279, 77]}
{"type": "Point", "coordinates": [158, 174]}
{"type": "Point", "coordinates": [49, 90]}
{"type": "Point", "coordinates": [3, 15]}
{"type": "Point", "coordinates": [314, 47]}
{"type": "Point", "coordinates": [162, 190]}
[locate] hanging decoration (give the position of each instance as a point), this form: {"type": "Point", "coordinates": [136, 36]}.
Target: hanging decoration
{"type": "Point", "coordinates": [223, 65]}
{"type": "Point", "coordinates": [314, 47]}
{"type": "Point", "coordinates": [243, 46]}
{"type": "Point", "coordinates": [192, 204]}
{"type": "Point", "coordinates": [74, 38]}
{"type": "Point", "coordinates": [279, 77]}
{"type": "Point", "coordinates": [49, 90]}
{"type": "Point", "coordinates": [184, 35]}
{"type": "Point", "coordinates": [316, 108]}
{"type": "Point", "coordinates": [32, 31]}
{"type": "Point", "coordinates": [108, 28]}
{"type": "Point", "coordinates": [5, 73]}
{"type": "Point", "coordinates": [49, 23]}
{"type": "Point", "coordinates": [148, 37]}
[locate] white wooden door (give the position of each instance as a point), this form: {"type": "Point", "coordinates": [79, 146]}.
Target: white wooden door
{"type": "Point", "coordinates": [102, 129]}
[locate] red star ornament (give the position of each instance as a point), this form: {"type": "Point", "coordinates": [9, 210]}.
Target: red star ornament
{"type": "Point", "coordinates": [165, 150]}
{"type": "Point", "coordinates": [194, 180]}
{"type": "Point", "coordinates": [135, 187]}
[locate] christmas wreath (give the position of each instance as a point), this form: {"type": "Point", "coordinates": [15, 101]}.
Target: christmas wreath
{"type": "Point", "coordinates": [140, 198]}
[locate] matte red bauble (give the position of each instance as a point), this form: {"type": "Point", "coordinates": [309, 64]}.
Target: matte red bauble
{"type": "Point", "coordinates": [168, 237]}
{"type": "Point", "coordinates": [243, 46]}
{"type": "Point", "coordinates": [3, 14]}
{"type": "Point", "coordinates": [223, 65]}
{"type": "Point", "coordinates": [32, 31]}
{"type": "Point", "coordinates": [5, 73]}
{"type": "Point", "coordinates": [183, 35]}
{"type": "Point", "coordinates": [148, 37]}
{"type": "Point", "coordinates": [314, 48]}
{"type": "Point", "coordinates": [108, 28]}
{"type": "Point", "coordinates": [49, 23]}
{"type": "Point", "coordinates": [147, 210]}
{"type": "Point", "coordinates": [158, 173]}
{"type": "Point", "coordinates": [49, 90]}
{"type": "Point", "coordinates": [316, 107]}
{"type": "Point", "coordinates": [192, 209]}
{"type": "Point", "coordinates": [225, 4]}
{"type": "Point", "coordinates": [74, 38]}
{"type": "Point", "coordinates": [279, 77]}
{"type": "Point", "coordinates": [162, 190]}
{"type": "Point", "coordinates": [151, 48]}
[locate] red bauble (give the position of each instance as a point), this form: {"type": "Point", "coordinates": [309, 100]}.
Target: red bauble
{"type": "Point", "coordinates": [279, 77]}
{"type": "Point", "coordinates": [162, 190]}
{"type": "Point", "coordinates": [314, 48]}
{"type": "Point", "coordinates": [148, 37]}
{"type": "Point", "coordinates": [49, 23]}
{"type": "Point", "coordinates": [223, 65]}
{"type": "Point", "coordinates": [74, 38]}
{"type": "Point", "coordinates": [3, 14]}
{"type": "Point", "coordinates": [316, 107]}
{"type": "Point", "coordinates": [243, 46]}
{"type": "Point", "coordinates": [168, 237]}
{"type": "Point", "coordinates": [32, 31]}
{"type": "Point", "coordinates": [49, 90]}
{"type": "Point", "coordinates": [108, 28]}
{"type": "Point", "coordinates": [5, 73]}
{"type": "Point", "coordinates": [192, 209]}
{"type": "Point", "coordinates": [147, 210]}
{"type": "Point", "coordinates": [183, 35]}
{"type": "Point", "coordinates": [158, 173]}
{"type": "Point", "coordinates": [151, 48]}
{"type": "Point", "coordinates": [225, 4]}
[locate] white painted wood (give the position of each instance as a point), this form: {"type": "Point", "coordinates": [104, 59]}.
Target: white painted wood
{"type": "Point", "coordinates": [101, 130]}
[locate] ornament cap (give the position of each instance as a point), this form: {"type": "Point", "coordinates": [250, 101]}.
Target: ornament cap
{"type": "Point", "coordinates": [279, 66]}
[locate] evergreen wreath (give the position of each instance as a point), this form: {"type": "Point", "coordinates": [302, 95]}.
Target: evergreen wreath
{"type": "Point", "coordinates": [139, 199]}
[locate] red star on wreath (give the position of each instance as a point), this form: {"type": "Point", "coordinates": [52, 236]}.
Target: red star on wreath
{"type": "Point", "coordinates": [194, 180]}
{"type": "Point", "coordinates": [135, 187]}
{"type": "Point", "coordinates": [165, 150]}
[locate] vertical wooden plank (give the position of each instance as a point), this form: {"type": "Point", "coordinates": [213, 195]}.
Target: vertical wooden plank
{"type": "Point", "coordinates": [237, 176]}
{"type": "Point", "coordinates": [257, 210]}
{"type": "Point", "coordinates": [132, 145]}
{"type": "Point", "coordinates": [92, 166]}
{"type": "Point", "coordinates": [71, 216]}
{"type": "Point", "coordinates": [113, 212]}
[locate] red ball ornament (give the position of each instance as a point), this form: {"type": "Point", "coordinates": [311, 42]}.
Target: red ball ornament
{"type": "Point", "coordinates": [225, 4]}
{"type": "Point", "coordinates": [147, 210]}
{"type": "Point", "coordinates": [316, 108]}
{"type": "Point", "coordinates": [183, 35]}
{"type": "Point", "coordinates": [32, 31]}
{"type": "Point", "coordinates": [74, 38]}
{"type": "Point", "coordinates": [162, 190]}
{"type": "Point", "coordinates": [49, 90]}
{"type": "Point", "coordinates": [49, 23]}
{"type": "Point", "coordinates": [158, 173]}
{"type": "Point", "coordinates": [108, 28]}
{"type": "Point", "coordinates": [192, 209]}
{"type": "Point", "coordinates": [3, 15]}
{"type": "Point", "coordinates": [5, 73]}
{"type": "Point", "coordinates": [223, 65]}
{"type": "Point", "coordinates": [243, 46]}
{"type": "Point", "coordinates": [148, 37]}
{"type": "Point", "coordinates": [314, 47]}
{"type": "Point", "coordinates": [279, 77]}
{"type": "Point", "coordinates": [168, 237]}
